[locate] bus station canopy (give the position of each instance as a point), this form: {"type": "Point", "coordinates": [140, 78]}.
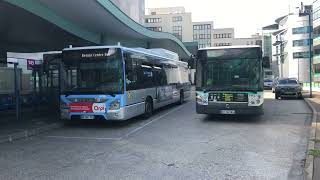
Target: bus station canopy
{"type": "Point", "coordinates": [47, 25]}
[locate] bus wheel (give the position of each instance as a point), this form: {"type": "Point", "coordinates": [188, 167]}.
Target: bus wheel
{"type": "Point", "coordinates": [148, 108]}
{"type": "Point", "coordinates": [181, 97]}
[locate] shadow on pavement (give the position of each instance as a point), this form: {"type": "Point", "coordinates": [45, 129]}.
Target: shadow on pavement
{"type": "Point", "coordinates": [233, 118]}
{"type": "Point", "coordinates": [109, 124]}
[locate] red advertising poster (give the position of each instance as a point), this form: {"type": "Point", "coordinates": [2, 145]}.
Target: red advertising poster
{"type": "Point", "coordinates": [87, 108]}
{"type": "Point", "coordinates": [81, 107]}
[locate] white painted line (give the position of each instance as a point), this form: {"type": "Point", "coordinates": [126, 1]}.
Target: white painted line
{"type": "Point", "coordinates": [154, 120]}
{"type": "Point", "coordinates": [82, 138]}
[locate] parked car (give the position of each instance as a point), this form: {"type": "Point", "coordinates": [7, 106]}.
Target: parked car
{"type": "Point", "coordinates": [288, 87]}
{"type": "Point", "coordinates": [267, 84]}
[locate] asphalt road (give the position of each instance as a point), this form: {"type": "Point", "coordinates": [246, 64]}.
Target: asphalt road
{"type": "Point", "coordinates": [176, 143]}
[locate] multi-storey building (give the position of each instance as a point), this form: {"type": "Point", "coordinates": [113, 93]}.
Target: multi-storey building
{"type": "Point", "coordinates": [291, 46]}
{"type": "Point", "coordinates": [223, 37]}
{"type": "Point", "coordinates": [273, 70]}
{"type": "Point", "coordinates": [174, 20]}
{"type": "Point", "coordinates": [202, 33]}
{"type": "Point", "coordinates": [177, 21]}
{"type": "Point", "coordinates": [316, 40]}
{"type": "Point", "coordinates": [255, 39]}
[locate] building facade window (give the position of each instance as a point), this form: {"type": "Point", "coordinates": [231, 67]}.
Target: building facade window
{"type": "Point", "coordinates": [176, 18]}
{"type": "Point", "coordinates": [297, 55]}
{"type": "Point", "coordinates": [202, 35]}
{"type": "Point", "coordinates": [222, 44]}
{"type": "Point", "coordinates": [153, 20]}
{"type": "Point", "coordinates": [316, 68]}
{"type": "Point", "coordinates": [177, 31]}
{"type": "Point", "coordinates": [222, 36]}
{"type": "Point", "coordinates": [301, 30]}
{"type": "Point", "coordinates": [303, 42]}
{"type": "Point", "coordinates": [157, 29]}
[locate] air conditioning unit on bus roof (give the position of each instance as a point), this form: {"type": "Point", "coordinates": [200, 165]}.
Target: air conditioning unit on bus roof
{"type": "Point", "coordinates": [161, 52]}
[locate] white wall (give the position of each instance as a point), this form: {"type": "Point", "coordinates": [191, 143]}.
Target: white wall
{"type": "Point", "coordinates": [223, 40]}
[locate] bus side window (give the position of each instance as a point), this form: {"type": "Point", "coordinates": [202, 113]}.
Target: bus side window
{"type": "Point", "coordinates": [131, 73]}
{"type": "Point", "coordinates": [164, 80]}
{"type": "Point", "coordinates": [159, 76]}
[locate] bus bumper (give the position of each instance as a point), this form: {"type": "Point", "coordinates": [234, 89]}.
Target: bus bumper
{"type": "Point", "coordinates": [117, 115]}
{"type": "Point", "coordinates": [239, 109]}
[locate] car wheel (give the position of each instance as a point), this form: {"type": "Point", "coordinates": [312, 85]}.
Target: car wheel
{"type": "Point", "coordinates": [277, 96]}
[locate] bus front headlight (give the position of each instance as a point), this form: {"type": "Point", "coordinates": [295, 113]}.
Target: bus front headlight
{"type": "Point", "coordinates": [115, 105]}
{"type": "Point", "coordinates": [255, 99]}
{"type": "Point", "coordinates": [202, 98]}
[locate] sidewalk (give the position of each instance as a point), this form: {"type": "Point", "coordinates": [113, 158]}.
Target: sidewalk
{"type": "Point", "coordinates": [30, 124]}
{"type": "Point", "coordinates": [315, 103]}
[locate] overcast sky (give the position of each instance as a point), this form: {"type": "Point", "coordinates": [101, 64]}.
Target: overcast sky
{"type": "Point", "coordinates": [246, 16]}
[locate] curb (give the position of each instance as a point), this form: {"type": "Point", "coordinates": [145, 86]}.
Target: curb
{"type": "Point", "coordinates": [28, 133]}
{"type": "Point", "coordinates": [309, 164]}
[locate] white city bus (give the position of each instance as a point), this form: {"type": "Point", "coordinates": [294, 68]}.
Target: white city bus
{"type": "Point", "coordinates": [118, 83]}
{"type": "Point", "coordinates": [230, 80]}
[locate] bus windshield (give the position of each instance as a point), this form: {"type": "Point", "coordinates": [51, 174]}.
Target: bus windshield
{"type": "Point", "coordinates": [232, 74]}
{"type": "Point", "coordinates": [103, 75]}
{"type": "Point", "coordinates": [230, 69]}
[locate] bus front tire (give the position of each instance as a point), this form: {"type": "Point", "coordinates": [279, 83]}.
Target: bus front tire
{"type": "Point", "coordinates": [148, 108]}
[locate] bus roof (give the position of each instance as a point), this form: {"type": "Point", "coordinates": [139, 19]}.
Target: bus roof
{"type": "Point", "coordinates": [230, 47]}
{"type": "Point", "coordinates": [160, 53]}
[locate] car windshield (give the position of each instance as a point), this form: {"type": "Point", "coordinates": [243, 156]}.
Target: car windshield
{"type": "Point", "coordinates": [268, 80]}
{"type": "Point", "coordinates": [288, 81]}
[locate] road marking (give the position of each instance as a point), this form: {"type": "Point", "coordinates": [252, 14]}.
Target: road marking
{"type": "Point", "coordinates": [82, 138]}
{"type": "Point", "coordinates": [154, 120]}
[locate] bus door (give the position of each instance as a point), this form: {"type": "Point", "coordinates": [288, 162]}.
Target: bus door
{"type": "Point", "coordinates": [164, 91]}
{"type": "Point", "coordinates": [53, 84]}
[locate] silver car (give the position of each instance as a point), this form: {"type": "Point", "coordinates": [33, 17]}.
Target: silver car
{"type": "Point", "coordinates": [267, 84]}
{"type": "Point", "coordinates": [288, 87]}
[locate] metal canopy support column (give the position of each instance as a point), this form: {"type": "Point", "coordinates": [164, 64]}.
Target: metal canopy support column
{"type": "Point", "coordinates": [17, 91]}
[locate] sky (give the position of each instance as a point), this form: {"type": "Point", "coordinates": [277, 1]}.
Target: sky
{"type": "Point", "coordinates": [246, 16]}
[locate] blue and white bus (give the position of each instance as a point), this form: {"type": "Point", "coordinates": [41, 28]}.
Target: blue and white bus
{"type": "Point", "coordinates": [118, 83]}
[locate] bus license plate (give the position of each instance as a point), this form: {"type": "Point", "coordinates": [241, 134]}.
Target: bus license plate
{"type": "Point", "coordinates": [86, 117]}
{"type": "Point", "coordinates": [228, 112]}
